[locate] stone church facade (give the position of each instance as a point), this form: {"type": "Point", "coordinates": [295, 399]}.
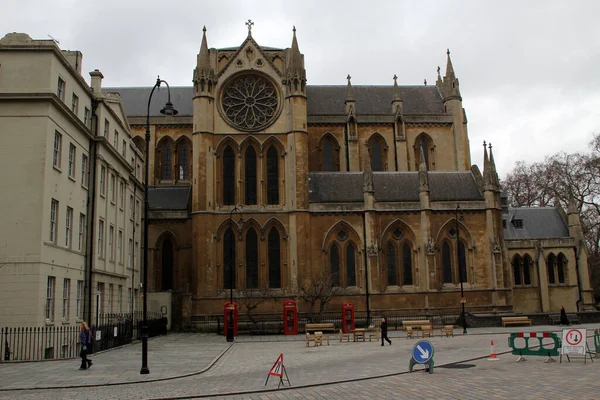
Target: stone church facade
{"type": "Point", "coordinates": [263, 181]}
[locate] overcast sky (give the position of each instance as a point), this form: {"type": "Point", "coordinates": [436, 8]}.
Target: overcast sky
{"type": "Point", "coordinates": [528, 70]}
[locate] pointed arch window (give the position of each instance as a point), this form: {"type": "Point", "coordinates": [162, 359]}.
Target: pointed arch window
{"type": "Point", "coordinates": [462, 261]}
{"type": "Point", "coordinates": [166, 160]}
{"type": "Point", "coordinates": [551, 267]}
{"type": "Point", "coordinates": [272, 176]}
{"type": "Point", "coordinates": [229, 259]}
{"type": "Point", "coordinates": [330, 153]}
{"type": "Point", "coordinates": [250, 178]}
{"type": "Point", "coordinates": [376, 155]}
{"type": "Point", "coordinates": [350, 265]}
{"type": "Point", "coordinates": [517, 270]}
{"type": "Point", "coordinates": [334, 264]}
{"type": "Point", "coordinates": [183, 160]}
{"type": "Point", "coordinates": [423, 142]}
{"type": "Point", "coordinates": [446, 263]}
{"type": "Point", "coordinates": [274, 254]}
{"type": "Point", "coordinates": [228, 176]}
{"type": "Point", "coordinates": [560, 268]}
{"type": "Point", "coordinates": [527, 265]}
{"type": "Point", "coordinates": [251, 259]}
{"type": "Point", "coordinates": [407, 271]}
{"type": "Point", "coordinates": [391, 264]}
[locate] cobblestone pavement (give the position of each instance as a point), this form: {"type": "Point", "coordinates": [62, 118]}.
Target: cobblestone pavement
{"type": "Point", "coordinates": [244, 367]}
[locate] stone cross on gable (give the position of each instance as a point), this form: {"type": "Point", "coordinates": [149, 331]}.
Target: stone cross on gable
{"type": "Point", "coordinates": [249, 25]}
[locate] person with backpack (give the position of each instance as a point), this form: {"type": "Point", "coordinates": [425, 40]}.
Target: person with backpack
{"type": "Point", "coordinates": [85, 338]}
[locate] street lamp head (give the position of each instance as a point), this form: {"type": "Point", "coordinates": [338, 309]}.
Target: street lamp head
{"type": "Point", "coordinates": [168, 109]}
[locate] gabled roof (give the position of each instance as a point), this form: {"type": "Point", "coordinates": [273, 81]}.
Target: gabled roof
{"type": "Point", "coordinates": [538, 223]}
{"type": "Point", "coordinates": [169, 198]}
{"type": "Point", "coordinates": [345, 187]}
{"type": "Point", "coordinates": [321, 100]}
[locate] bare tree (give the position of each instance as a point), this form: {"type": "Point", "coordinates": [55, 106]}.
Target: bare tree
{"type": "Point", "coordinates": [318, 289]}
{"type": "Point", "coordinates": [250, 299]}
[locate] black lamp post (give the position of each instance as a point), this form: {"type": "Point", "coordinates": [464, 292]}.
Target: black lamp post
{"type": "Point", "coordinates": [167, 110]}
{"type": "Point", "coordinates": [460, 269]}
{"type": "Point", "coordinates": [231, 269]}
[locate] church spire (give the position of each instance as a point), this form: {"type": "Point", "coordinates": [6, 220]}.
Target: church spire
{"type": "Point", "coordinates": [296, 74]}
{"type": "Point", "coordinates": [204, 74]}
{"type": "Point", "coordinates": [350, 101]}
{"type": "Point", "coordinates": [490, 176]}
{"type": "Point", "coordinates": [449, 85]}
{"type": "Point", "coordinates": [449, 68]}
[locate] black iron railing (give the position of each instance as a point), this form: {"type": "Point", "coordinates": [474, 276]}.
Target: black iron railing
{"type": "Point", "coordinates": [62, 342]}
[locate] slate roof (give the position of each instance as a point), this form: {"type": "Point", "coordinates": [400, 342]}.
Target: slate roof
{"type": "Point", "coordinates": [538, 223]}
{"type": "Point", "coordinates": [321, 100]}
{"type": "Point", "coordinates": [346, 187]}
{"type": "Point", "coordinates": [173, 198]}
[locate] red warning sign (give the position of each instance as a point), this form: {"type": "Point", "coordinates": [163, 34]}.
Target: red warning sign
{"type": "Point", "coordinates": [574, 337]}
{"type": "Point", "coordinates": [277, 369]}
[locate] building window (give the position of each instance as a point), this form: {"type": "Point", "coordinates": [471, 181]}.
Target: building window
{"type": "Point", "coordinates": [116, 140]}
{"type": "Point", "coordinates": [517, 270]}
{"type": "Point", "coordinates": [69, 227]}
{"type": "Point", "coordinates": [377, 152]}
{"type": "Point", "coordinates": [228, 176]}
{"type": "Point", "coordinates": [86, 117]}
{"type": "Point", "coordinates": [57, 149]}
{"type": "Point", "coordinates": [124, 149]}
{"type": "Point", "coordinates": [391, 264]}
{"type": "Point", "coordinates": [111, 234]}
{"type": "Point", "coordinates": [517, 223]}
{"type": "Point", "coordinates": [120, 246]}
{"type": "Point", "coordinates": [50, 288]}
{"type": "Point", "coordinates": [100, 293]}
{"type": "Point", "coordinates": [75, 104]}
{"type": "Point", "coordinates": [556, 269]}
{"type": "Point", "coordinates": [274, 258]}
{"type": "Point", "coordinates": [61, 89]}
{"type": "Point", "coordinates": [183, 159]}
{"type": "Point", "coordinates": [462, 261]}
{"type": "Point", "coordinates": [330, 153]}
{"type": "Point", "coordinates": [250, 175]}
{"type": "Point", "coordinates": [131, 203]}
{"type": "Point", "coordinates": [79, 301]}
{"type": "Point", "coordinates": [121, 194]}
{"type": "Point", "coordinates": [334, 264]}
{"type": "Point", "coordinates": [130, 253]}
{"type": "Point", "coordinates": [120, 299]}
{"type": "Point", "coordinates": [53, 220]}
{"type": "Point", "coordinates": [84, 171]}
{"type": "Point", "coordinates": [102, 181]}
{"type": "Point", "coordinates": [229, 259]}
{"type": "Point", "coordinates": [72, 160]}
{"type": "Point", "coordinates": [137, 211]}
{"type": "Point", "coordinates": [166, 159]}
{"type": "Point", "coordinates": [446, 263]}
{"type": "Point", "coordinates": [82, 226]}
{"type": "Point", "coordinates": [65, 299]}
{"type": "Point", "coordinates": [113, 192]}
{"type": "Point", "coordinates": [251, 259]}
{"type": "Point", "coordinates": [136, 251]}
{"type": "Point", "coordinates": [400, 271]}
{"type": "Point", "coordinates": [350, 265]}
{"type": "Point", "coordinates": [100, 238]}
{"type": "Point", "coordinates": [106, 128]}
{"type": "Point", "coordinates": [407, 271]}
{"type": "Point", "coordinates": [272, 176]}
{"type": "Point", "coordinates": [110, 297]}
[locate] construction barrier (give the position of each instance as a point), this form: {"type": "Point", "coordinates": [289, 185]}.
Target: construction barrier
{"type": "Point", "coordinates": [535, 348]}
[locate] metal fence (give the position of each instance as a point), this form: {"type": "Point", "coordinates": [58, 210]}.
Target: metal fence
{"type": "Point", "coordinates": [62, 342]}
{"type": "Point", "coordinates": [263, 324]}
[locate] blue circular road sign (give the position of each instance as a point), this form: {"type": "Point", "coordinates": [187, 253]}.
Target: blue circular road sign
{"type": "Point", "coordinates": [422, 352]}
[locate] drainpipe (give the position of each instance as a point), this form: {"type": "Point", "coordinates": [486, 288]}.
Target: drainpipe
{"type": "Point", "coordinates": [578, 302]}
{"type": "Point", "coordinates": [91, 209]}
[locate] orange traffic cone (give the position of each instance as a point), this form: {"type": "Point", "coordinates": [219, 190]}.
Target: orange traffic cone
{"type": "Point", "coordinates": [493, 355]}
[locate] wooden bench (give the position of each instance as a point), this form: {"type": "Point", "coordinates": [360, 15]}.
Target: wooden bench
{"type": "Point", "coordinates": [344, 336]}
{"type": "Point", "coordinates": [311, 338]}
{"type": "Point", "coordinates": [426, 330]}
{"type": "Point", "coordinates": [320, 338]}
{"type": "Point", "coordinates": [373, 333]}
{"type": "Point", "coordinates": [329, 327]}
{"type": "Point", "coordinates": [418, 324]}
{"type": "Point", "coordinates": [359, 333]}
{"type": "Point", "coordinates": [409, 332]}
{"type": "Point", "coordinates": [516, 321]}
{"type": "Point", "coordinates": [447, 330]}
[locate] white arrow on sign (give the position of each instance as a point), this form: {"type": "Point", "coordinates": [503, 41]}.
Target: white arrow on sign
{"type": "Point", "coordinates": [424, 353]}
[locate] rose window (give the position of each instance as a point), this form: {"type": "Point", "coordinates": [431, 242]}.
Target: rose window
{"type": "Point", "coordinates": [250, 102]}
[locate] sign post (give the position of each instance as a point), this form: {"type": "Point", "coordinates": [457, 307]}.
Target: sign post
{"type": "Point", "coordinates": [278, 369]}
{"type": "Point", "coordinates": [574, 343]}
{"type": "Point", "coordinates": [422, 353]}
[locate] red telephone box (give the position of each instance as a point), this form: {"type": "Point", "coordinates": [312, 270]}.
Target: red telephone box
{"type": "Point", "coordinates": [290, 318]}
{"type": "Point", "coordinates": [228, 309]}
{"type": "Point", "coordinates": [348, 317]}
